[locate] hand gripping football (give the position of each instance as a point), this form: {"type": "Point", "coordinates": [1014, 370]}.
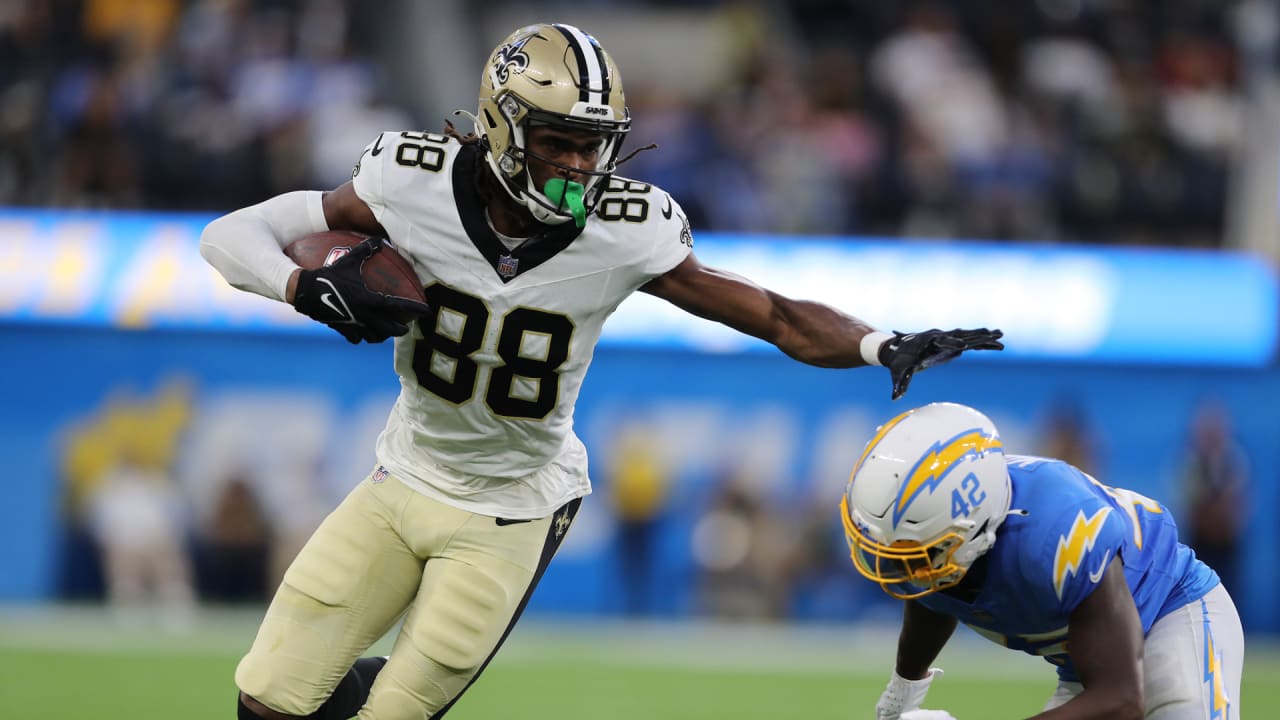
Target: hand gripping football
{"type": "Point", "coordinates": [386, 271]}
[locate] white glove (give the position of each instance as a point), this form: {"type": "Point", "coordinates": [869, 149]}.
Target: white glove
{"type": "Point", "coordinates": [927, 715]}
{"type": "Point", "coordinates": [902, 696]}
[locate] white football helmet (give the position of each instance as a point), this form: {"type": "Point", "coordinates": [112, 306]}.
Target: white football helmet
{"type": "Point", "coordinates": [926, 498]}
{"type": "Point", "coordinates": [551, 75]}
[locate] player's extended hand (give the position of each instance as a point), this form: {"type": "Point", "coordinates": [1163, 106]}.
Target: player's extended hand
{"type": "Point", "coordinates": [902, 696]}
{"type": "Point", "coordinates": [336, 296]}
{"type": "Point", "coordinates": [908, 353]}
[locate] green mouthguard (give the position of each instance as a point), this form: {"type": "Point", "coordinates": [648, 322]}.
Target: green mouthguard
{"type": "Point", "coordinates": [568, 192]}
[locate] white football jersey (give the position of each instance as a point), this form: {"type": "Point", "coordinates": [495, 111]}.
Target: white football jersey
{"type": "Point", "coordinates": [488, 381]}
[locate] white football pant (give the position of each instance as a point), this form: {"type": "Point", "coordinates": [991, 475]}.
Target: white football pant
{"type": "Point", "coordinates": [1191, 665]}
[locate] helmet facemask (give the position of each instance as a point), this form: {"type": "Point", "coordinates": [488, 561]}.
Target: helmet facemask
{"type": "Point", "coordinates": [909, 569]}
{"type": "Point", "coordinates": [512, 166]}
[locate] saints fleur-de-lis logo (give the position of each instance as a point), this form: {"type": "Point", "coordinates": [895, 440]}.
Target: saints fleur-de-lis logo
{"type": "Point", "coordinates": [511, 58]}
{"type": "Point", "coordinates": [561, 523]}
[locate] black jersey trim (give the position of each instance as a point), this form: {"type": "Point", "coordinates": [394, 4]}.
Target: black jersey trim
{"type": "Point", "coordinates": [471, 209]}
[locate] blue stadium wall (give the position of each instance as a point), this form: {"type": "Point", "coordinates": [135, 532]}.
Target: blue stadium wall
{"type": "Point", "coordinates": [62, 369]}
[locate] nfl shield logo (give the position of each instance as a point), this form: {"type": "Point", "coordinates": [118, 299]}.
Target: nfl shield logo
{"type": "Point", "coordinates": [335, 255]}
{"type": "Point", "coordinates": [507, 266]}
{"type": "Point", "coordinates": [379, 475]}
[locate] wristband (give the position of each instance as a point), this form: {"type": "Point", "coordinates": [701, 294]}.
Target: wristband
{"type": "Point", "coordinates": [870, 346]}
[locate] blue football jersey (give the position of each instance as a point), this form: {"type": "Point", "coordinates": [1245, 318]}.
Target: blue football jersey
{"type": "Point", "coordinates": [1052, 550]}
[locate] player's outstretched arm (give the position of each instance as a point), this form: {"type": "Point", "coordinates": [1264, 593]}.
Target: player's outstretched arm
{"type": "Point", "coordinates": [811, 332]}
{"type": "Point", "coordinates": [1105, 642]}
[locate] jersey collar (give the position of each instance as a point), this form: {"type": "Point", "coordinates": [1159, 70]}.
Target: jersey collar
{"type": "Point", "coordinates": [508, 264]}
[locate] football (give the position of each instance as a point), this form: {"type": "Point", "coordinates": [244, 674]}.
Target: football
{"type": "Point", "coordinates": [386, 271]}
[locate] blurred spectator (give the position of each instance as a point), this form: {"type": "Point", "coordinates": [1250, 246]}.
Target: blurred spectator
{"type": "Point", "coordinates": [638, 481]}
{"type": "Point", "coordinates": [108, 456]}
{"type": "Point", "coordinates": [740, 549]}
{"type": "Point", "coordinates": [822, 588]}
{"type": "Point", "coordinates": [236, 546]}
{"type": "Point", "coordinates": [123, 505]}
{"type": "Point", "coordinates": [135, 516]}
{"type": "Point", "coordinates": [1215, 493]}
{"type": "Point", "coordinates": [1067, 435]}
{"type": "Point", "coordinates": [96, 165]}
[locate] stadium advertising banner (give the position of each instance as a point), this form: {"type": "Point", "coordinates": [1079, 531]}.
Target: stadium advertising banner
{"type": "Point", "coordinates": [137, 271]}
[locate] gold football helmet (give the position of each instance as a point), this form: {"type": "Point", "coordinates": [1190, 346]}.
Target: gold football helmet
{"type": "Point", "coordinates": [549, 74]}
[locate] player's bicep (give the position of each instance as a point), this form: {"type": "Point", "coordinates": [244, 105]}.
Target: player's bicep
{"type": "Point", "coordinates": [717, 295]}
{"type": "Point", "coordinates": [1105, 639]}
{"type": "Point", "coordinates": [344, 210]}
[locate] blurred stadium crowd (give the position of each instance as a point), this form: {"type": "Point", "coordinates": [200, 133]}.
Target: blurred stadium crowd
{"type": "Point", "coordinates": [1083, 120]}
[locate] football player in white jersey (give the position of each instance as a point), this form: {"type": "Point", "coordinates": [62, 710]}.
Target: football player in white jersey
{"type": "Point", "coordinates": [525, 243]}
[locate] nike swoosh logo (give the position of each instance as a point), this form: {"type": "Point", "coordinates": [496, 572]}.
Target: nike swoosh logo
{"type": "Point", "coordinates": [339, 308]}
{"type": "Point", "coordinates": [666, 211]}
{"type": "Point", "coordinates": [377, 147]}
{"type": "Point", "coordinates": [505, 521]}
{"type": "Point", "coordinates": [1096, 575]}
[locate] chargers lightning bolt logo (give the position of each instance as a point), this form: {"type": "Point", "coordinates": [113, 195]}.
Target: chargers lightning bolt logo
{"type": "Point", "coordinates": [1073, 546]}
{"type": "Point", "coordinates": [1213, 671]}
{"type": "Point", "coordinates": [939, 460]}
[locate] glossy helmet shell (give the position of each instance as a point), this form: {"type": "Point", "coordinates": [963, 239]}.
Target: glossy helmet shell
{"type": "Point", "coordinates": [926, 498]}
{"type": "Point", "coordinates": [551, 74]}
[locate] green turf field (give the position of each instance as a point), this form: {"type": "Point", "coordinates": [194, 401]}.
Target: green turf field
{"type": "Point", "coordinates": [76, 664]}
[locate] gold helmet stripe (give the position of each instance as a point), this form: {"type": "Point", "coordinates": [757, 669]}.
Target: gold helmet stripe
{"type": "Point", "coordinates": [593, 71]}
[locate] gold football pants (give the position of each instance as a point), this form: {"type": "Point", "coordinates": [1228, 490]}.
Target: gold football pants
{"type": "Point", "coordinates": [463, 578]}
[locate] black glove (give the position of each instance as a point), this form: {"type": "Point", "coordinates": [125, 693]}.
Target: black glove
{"type": "Point", "coordinates": [905, 354]}
{"type": "Point", "coordinates": [336, 296]}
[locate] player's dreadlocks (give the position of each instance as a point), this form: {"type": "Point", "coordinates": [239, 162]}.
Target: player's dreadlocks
{"type": "Point", "coordinates": [468, 139]}
{"type": "Point", "coordinates": [485, 183]}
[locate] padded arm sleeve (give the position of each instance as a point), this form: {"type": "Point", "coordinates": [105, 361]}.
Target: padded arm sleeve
{"type": "Point", "coordinates": [245, 246]}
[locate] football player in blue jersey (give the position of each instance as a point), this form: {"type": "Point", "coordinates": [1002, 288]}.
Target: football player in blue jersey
{"type": "Point", "coordinates": [1038, 556]}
